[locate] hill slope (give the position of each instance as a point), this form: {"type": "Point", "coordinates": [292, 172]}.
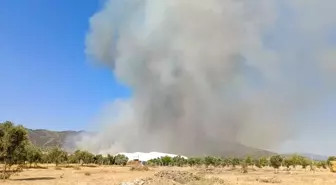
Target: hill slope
{"type": "Point", "coordinates": [46, 138]}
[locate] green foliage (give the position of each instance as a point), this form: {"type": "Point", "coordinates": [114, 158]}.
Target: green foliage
{"type": "Point", "coordinates": [57, 156]}
{"type": "Point", "coordinates": [299, 160]}
{"type": "Point", "coordinates": [331, 158]}
{"type": "Point", "coordinates": [296, 160]}
{"type": "Point", "coordinates": [195, 161]}
{"type": "Point", "coordinates": [110, 159]}
{"type": "Point", "coordinates": [248, 161]}
{"type": "Point", "coordinates": [276, 161]}
{"type": "Point", "coordinates": [33, 155]}
{"type": "Point", "coordinates": [16, 149]}
{"type": "Point", "coordinates": [263, 161]}
{"type": "Point", "coordinates": [235, 162]}
{"type": "Point", "coordinates": [304, 162]}
{"type": "Point", "coordinates": [321, 164]}
{"type": "Point", "coordinates": [166, 160]}
{"type": "Point", "coordinates": [192, 161]}
{"type": "Point", "coordinates": [209, 161]}
{"type": "Point", "coordinates": [121, 159]}
{"type": "Point", "coordinates": [226, 162]}
{"type": "Point", "coordinates": [155, 162]}
{"type": "Point", "coordinates": [288, 162]}
{"type": "Point", "coordinates": [98, 159]}
{"type": "Point", "coordinates": [179, 161]}
{"type": "Point", "coordinates": [257, 163]}
{"type": "Point", "coordinates": [13, 141]}
{"type": "Point", "coordinates": [85, 157]}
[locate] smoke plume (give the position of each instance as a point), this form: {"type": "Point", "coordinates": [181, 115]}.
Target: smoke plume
{"type": "Point", "coordinates": [206, 74]}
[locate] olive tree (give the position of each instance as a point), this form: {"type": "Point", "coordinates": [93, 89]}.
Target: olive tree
{"type": "Point", "coordinates": [13, 141]}
{"type": "Point", "coordinates": [276, 162]}
{"type": "Point", "coordinates": [57, 156]}
{"type": "Point", "coordinates": [121, 159]}
{"type": "Point", "coordinates": [288, 162]}
{"type": "Point", "coordinates": [33, 155]}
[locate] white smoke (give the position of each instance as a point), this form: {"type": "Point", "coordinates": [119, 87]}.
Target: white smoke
{"type": "Point", "coordinates": [206, 73]}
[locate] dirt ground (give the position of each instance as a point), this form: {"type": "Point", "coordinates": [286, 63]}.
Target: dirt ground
{"type": "Point", "coordinates": [107, 175]}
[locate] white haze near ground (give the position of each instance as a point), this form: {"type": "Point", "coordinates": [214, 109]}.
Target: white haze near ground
{"type": "Point", "coordinates": [206, 74]}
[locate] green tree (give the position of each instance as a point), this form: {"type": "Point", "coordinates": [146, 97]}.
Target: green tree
{"type": "Point", "coordinates": [34, 154]}
{"type": "Point", "coordinates": [226, 162]}
{"type": "Point", "coordinates": [99, 159]}
{"type": "Point", "coordinates": [45, 158]}
{"type": "Point", "coordinates": [304, 162]}
{"type": "Point", "coordinates": [155, 162]}
{"type": "Point", "coordinates": [331, 158]}
{"type": "Point", "coordinates": [166, 161]}
{"type": "Point", "coordinates": [192, 161]}
{"type": "Point", "coordinates": [248, 161]}
{"type": "Point", "coordinates": [57, 156]}
{"type": "Point", "coordinates": [209, 161]}
{"type": "Point", "coordinates": [179, 161]}
{"type": "Point", "coordinates": [121, 159]}
{"type": "Point", "coordinates": [296, 160]}
{"type": "Point", "coordinates": [88, 157]}
{"type": "Point", "coordinates": [257, 163]}
{"type": "Point", "coordinates": [235, 162]}
{"type": "Point", "coordinates": [276, 162]}
{"type": "Point", "coordinates": [323, 164]}
{"type": "Point", "coordinates": [110, 159]}
{"type": "Point", "coordinates": [263, 161]}
{"type": "Point", "coordinates": [83, 157]}
{"type": "Point", "coordinates": [288, 162]}
{"type": "Point", "coordinates": [13, 141]}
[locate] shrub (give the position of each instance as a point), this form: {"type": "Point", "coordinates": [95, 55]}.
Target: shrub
{"type": "Point", "coordinates": [121, 160]}
{"type": "Point", "coordinates": [58, 168]}
{"type": "Point", "coordinates": [87, 173]}
{"type": "Point", "coordinates": [276, 161]}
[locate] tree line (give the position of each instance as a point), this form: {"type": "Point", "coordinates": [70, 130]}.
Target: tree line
{"type": "Point", "coordinates": [16, 149]}
{"type": "Point", "coordinates": [275, 161]}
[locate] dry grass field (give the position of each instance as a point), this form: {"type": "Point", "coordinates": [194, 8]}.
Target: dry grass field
{"type": "Point", "coordinates": [107, 175]}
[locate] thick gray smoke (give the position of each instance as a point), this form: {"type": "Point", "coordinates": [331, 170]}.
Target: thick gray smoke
{"type": "Point", "coordinates": [205, 74]}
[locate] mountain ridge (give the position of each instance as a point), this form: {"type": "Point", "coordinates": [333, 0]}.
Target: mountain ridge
{"type": "Point", "coordinates": [46, 138]}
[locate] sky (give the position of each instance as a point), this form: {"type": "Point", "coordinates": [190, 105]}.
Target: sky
{"type": "Point", "coordinates": [46, 81]}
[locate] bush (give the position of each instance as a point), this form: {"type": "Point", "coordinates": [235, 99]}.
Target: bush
{"type": "Point", "coordinates": [276, 161]}
{"type": "Point", "coordinates": [288, 162]}
{"type": "Point", "coordinates": [166, 161]}
{"type": "Point", "coordinates": [121, 160]}
{"type": "Point", "coordinates": [331, 158]}
{"type": "Point", "coordinates": [5, 175]}
{"type": "Point", "coordinates": [87, 173]}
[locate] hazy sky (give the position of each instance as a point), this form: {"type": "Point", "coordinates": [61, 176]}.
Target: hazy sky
{"type": "Point", "coordinates": [46, 81]}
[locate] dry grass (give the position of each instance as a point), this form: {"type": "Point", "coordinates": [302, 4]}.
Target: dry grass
{"type": "Point", "coordinates": [58, 168]}
{"type": "Point", "coordinates": [87, 173]}
{"type": "Point", "coordinates": [139, 168]}
{"type": "Point", "coordinates": [103, 175]}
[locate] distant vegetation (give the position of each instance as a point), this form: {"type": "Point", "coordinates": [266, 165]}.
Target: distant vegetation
{"type": "Point", "coordinates": [17, 152]}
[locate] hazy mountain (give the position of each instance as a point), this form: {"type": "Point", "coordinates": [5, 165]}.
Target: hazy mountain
{"type": "Point", "coordinates": [47, 138]}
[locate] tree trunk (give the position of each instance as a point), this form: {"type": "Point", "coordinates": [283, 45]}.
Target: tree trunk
{"type": "Point", "coordinates": [4, 170]}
